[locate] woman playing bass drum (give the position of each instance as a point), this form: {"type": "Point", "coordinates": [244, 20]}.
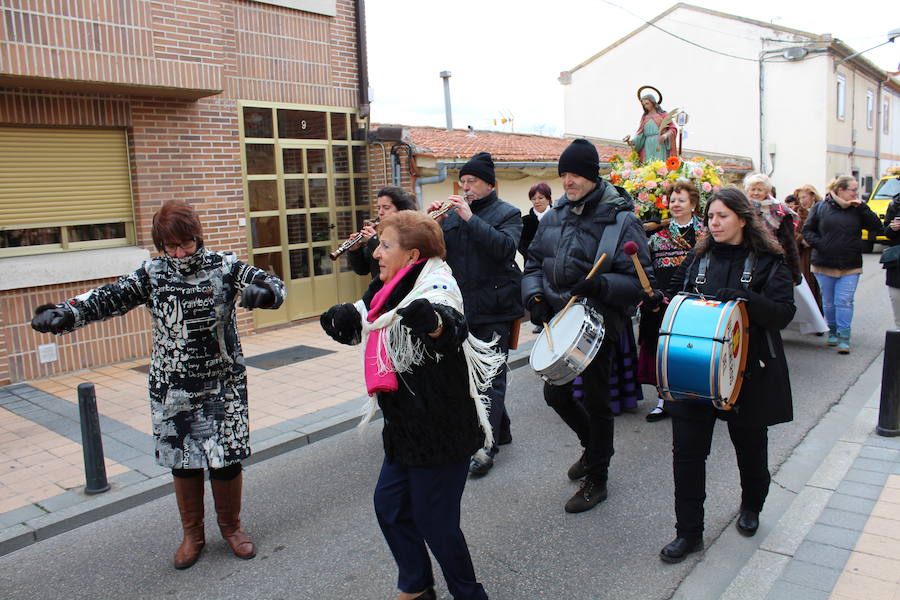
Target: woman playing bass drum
{"type": "Point", "coordinates": [738, 243]}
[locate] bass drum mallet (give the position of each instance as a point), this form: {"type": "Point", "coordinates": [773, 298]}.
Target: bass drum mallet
{"type": "Point", "coordinates": [630, 248]}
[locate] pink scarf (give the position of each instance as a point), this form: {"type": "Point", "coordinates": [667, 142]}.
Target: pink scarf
{"type": "Point", "coordinates": [376, 381]}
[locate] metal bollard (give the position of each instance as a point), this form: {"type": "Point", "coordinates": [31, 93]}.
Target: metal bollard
{"type": "Point", "coordinates": [889, 411]}
{"type": "Point", "coordinates": [94, 467]}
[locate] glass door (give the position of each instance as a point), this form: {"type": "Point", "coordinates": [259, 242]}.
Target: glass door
{"type": "Point", "coordinates": [307, 190]}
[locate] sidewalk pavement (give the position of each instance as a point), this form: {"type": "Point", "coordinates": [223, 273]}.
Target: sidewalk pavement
{"type": "Point", "coordinates": [302, 387]}
{"type": "Point", "coordinates": [831, 528]}
{"type": "Point", "coordinates": [831, 525]}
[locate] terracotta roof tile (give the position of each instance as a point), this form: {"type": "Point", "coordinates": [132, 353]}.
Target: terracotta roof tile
{"type": "Point", "coordinates": [437, 142]}
{"type": "Point", "coordinates": [459, 144]}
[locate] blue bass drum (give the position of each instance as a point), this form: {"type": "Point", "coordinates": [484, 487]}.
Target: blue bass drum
{"type": "Point", "coordinates": [702, 350]}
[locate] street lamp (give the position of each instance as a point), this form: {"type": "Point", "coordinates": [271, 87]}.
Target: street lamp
{"type": "Point", "coordinates": [892, 35]}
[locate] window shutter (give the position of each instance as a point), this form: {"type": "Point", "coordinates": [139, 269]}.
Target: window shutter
{"type": "Point", "coordinates": [53, 177]}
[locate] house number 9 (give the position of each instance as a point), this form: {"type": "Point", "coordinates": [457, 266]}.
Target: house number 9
{"type": "Point", "coordinates": [303, 124]}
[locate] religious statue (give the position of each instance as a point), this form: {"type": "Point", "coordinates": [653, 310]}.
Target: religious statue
{"type": "Point", "coordinates": [656, 134]}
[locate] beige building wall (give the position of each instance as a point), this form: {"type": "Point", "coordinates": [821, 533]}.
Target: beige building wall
{"type": "Point", "coordinates": [851, 144]}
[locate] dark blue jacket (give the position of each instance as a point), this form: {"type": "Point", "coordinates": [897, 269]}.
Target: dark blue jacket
{"type": "Point", "coordinates": [482, 253]}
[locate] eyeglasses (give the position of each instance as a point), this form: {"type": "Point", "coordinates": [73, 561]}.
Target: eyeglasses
{"type": "Point", "coordinates": [186, 245]}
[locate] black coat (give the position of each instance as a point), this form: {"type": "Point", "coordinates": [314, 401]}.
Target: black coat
{"type": "Point", "coordinates": [835, 233]}
{"type": "Point", "coordinates": [565, 248]}
{"type": "Point", "coordinates": [765, 397]}
{"type": "Point", "coordinates": [431, 419]}
{"type": "Point", "coordinates": [361, 260]}
{"type": "Point", "coordinates": [892, 276]}
{"type": "Point", "coordinates": [482, 253]}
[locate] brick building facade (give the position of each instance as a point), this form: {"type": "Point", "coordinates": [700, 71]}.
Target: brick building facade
{"type": "Point", "coordinates": [249, 111]}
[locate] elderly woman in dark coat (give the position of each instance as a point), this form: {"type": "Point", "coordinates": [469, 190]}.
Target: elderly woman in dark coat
{"type": "Point", "coordinates": [198, 381]}
{"type": "Point", "coordinates": [737, 239]}
{"type": "Point", "coordinates": [428, 375]}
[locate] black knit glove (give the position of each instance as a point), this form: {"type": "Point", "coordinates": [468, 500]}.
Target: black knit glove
{"type": "Point", "coordinates": [540, 310]}
{"type": "Point", "coordinates": [257, 295]}
{"type": "Point", "coordinates": [343, 323]}
{"type": "Point", "coordinates": [653, 302]}
{"type": "Point", "coordinates": [419, 316]}
{"type": "Point", "coordinates": [50, 318]}
{"type": "Point", "coordinates": [595, 287]}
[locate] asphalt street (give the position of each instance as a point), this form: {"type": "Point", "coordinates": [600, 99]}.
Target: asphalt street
{"type": "Point", "coordinates": [310, 510]}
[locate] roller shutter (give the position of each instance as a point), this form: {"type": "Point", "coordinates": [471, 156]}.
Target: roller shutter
{"type": "Point", "coordinates": [54, 177]}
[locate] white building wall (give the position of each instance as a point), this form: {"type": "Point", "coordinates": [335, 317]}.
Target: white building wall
{"type": "Point", "coordinates": [719, 93]}
{"type": "Point", "coordinates": [795, 122]}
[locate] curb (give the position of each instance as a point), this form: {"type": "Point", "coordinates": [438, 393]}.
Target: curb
{"type": "Point", "coordinates": [121, 497]}
{"type": "Point", "coordinates": [732, 569]}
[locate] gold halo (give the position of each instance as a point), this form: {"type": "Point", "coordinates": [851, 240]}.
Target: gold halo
{"type": "Point", "coordinates": [650, 87]}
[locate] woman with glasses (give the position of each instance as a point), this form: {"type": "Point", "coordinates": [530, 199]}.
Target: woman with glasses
{"type": "Point", "coordinates": [833, 230]}
{"type": "Point", "coordinates": [198, 381]}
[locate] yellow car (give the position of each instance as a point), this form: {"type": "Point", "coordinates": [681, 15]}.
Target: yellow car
{"type": "Point", "coordinates": [887, 189]}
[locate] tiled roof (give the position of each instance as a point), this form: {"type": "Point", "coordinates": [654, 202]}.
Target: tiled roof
{"type": "Point", "coordinates": [459, 144]}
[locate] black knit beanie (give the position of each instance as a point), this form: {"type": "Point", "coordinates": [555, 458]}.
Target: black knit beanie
{"type": "Point", "coordinates": [581, 158]}
{"type": "Point", "coordinates": [481, 166]}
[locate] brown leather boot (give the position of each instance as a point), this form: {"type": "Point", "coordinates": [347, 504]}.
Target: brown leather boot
{"type": "Point", "coordinates": [227, 495]}
{"type": "Point", "coordinates": [189, 494]}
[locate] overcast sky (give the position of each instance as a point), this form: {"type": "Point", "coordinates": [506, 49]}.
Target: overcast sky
{"type": "Point", "coordinates": [505, 55]}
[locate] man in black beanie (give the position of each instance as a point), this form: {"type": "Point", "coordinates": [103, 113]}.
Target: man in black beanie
{"type": "Point", "coordinates": [482, 235]}
{"type": "Point", "coordinates": [593, 217]}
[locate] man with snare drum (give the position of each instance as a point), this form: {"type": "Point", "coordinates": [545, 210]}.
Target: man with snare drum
{"type": "Point", "coordinates": [566, 246]}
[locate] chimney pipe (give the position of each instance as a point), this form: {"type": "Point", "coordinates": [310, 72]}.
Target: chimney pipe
{"type": "Point", "coordinates": [445, 75]}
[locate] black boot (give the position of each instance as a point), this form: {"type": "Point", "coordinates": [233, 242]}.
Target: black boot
{"type": "Point", "coordinates": [748, 522]}
{"type": "Point", "coordinates": [591, 493]}
{"type": "Point", "coordinates": [678, 549]}
{"type": "Point", "coordinates": [578, 470]}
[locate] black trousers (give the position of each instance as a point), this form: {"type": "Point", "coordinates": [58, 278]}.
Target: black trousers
{"type": "Point", "coordinates": [497, 414]}
{"type": "Point", "coordinates": [692, 431]}
{"type": "Point", "coordinates": [592, 420]}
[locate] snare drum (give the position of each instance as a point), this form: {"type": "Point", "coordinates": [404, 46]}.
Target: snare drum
{"type": "Point", "coordinates": [702, 350]}
{"type": "Point", "coordinates": [577, 335]}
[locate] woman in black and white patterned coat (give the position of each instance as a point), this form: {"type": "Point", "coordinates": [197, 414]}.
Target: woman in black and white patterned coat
{"type": "Point", "coordinates": [198, 380]}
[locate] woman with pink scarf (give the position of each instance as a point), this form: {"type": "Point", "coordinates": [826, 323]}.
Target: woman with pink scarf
{"type": "Point", "coordinates": [428, 376]}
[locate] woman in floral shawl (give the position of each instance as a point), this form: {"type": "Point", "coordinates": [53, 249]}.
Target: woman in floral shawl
{"type": "Point", "coordinates": [428, 375]}
{"type": "Point", "coordinates": [668, 247]}
{"type": "Point", "coordinates": [198, 381]}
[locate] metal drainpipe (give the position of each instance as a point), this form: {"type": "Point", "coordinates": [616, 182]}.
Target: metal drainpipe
{"type": "Point", "coordinates": [384, 161]}
{"type": "Point", "coordinates": [441, 176]}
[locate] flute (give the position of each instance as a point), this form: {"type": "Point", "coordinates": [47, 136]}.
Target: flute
{"type": "Point", "coordinates": [352, 241]}
{"type": "Point", "coordinates": [443, 210]}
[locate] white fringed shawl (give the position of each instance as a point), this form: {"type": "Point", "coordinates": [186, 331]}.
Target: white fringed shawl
{"type": "Point", "coordinates": [483, 360]}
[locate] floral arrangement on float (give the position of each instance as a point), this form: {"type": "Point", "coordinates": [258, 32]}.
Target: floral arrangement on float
{"type": "Point", "coordinates": [649, 183]}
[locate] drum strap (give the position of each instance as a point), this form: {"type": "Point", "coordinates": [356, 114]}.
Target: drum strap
{"type": "Point", "coordinates": [746, 275]}
{"type": "Point", "coordinates": [609, 239]}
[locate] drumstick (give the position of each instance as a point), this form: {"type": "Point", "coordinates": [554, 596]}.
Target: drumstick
{"type": "Point", "coordinates": [630, 248]}
{"type": "Point", "coordinates": [589, 275]}
{"type": "Point", "coordinates": [547, 331]}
